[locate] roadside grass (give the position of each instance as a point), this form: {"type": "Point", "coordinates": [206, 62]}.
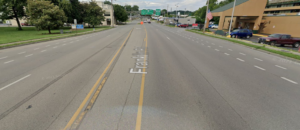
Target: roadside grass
{"type": "Point", "coordinates": [53, 38]}
{"type": "Point", "coordinates": [172, 26]}
{"type": "Point", "coordinates": [11, 34]}
{"type": "Point", "coordinates": [290, 55]}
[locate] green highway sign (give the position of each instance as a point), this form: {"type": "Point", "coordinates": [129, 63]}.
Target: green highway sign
{"type": "Point", "coordinates": [158, 11]}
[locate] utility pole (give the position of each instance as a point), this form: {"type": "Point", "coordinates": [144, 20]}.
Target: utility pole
{"type": "Point", "coordinates": [112, 17]}
{"type": "Point", "coordinates": [167, 10]}
{"type": "Point", "coordinates": [176, 5]}
{"type": "Point", "coordinates": [206, 16]}
{"type": "Point", "coordinates": [232, 16]}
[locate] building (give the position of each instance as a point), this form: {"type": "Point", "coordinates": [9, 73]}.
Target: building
{"type": "Point", "coordinates": [261, 16]}
{"type": "Point", "coordinates": [108, 12]}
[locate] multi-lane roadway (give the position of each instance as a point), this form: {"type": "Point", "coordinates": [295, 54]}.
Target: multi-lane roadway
{"type": "Point", "coordinates": [146, 77]}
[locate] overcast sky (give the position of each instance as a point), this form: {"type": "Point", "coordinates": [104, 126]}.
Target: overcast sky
{"type": "Point", "coordinates": [191, 5]}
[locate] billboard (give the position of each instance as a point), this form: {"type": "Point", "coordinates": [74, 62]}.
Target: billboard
{"type": "Point", "coordinates": [158, 11]}
{"type": "Point", "coordinates": [147, 12]}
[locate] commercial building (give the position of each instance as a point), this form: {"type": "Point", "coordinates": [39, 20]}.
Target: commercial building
{"type": "Point", "coordinates": [261, 16]}
{"type": "Point", "coordinates": [108, 12]}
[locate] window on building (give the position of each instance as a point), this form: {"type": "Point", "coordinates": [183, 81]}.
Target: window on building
{"type": "Point", "coordinates": [107, 14]}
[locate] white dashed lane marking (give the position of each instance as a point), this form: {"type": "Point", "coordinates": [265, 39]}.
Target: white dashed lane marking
{"type": "Point", "coordinates": [14, 82]}
{"type": "Point", "coordinates": [258, 59]}
{"type": "Point", "coordinates": [240, 59]}
{"type": "Point", "coordinates": [8, 61]}
{"type": "Point", "coordinates": [243, 54]}
{"type": "Point", "coordinates": [227, 54]}
{"type": "Point", "coordinates": [29, 55]}
{"type": "Point", "coordinates": [280, 67]}
{"type": "Point", "coordinates": [22, 52]}
{"type": "Point", "coordinates": [217, 50]}
{"type": "Point", "coordinates": [43, 50]}
{"type": "Point", "coordinates": [3, 57]}
{"type": "Point", "coordinates": [230, 49]}
{"type": "Point", "coordinates": [259, 68]}
{"type": "Point", "coordinates": [289, 80]}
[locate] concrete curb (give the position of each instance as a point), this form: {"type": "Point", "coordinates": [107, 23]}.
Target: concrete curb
{"type": "Point", "coordinates": [266, 46]}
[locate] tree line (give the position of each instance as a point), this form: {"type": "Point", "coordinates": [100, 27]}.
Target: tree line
{"type": "Point", "coordinates": [50, 14]}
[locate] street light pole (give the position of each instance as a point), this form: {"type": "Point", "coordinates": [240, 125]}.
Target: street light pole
{"type": "Point", "coordinates": [206, 16]}
{"type": "Point", "coordinates": [232, 16]}
{"type": "Point", "coordinates": [176, 16]}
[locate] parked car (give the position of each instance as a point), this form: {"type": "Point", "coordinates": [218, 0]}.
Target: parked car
{"type": "Point", "coordinates": [149, 22]}
{"type": "Point", "coordinates": [280, 39]}
{"type": "Point", "coordinates": [241, 33]}
{"type": "Point", "coordinates": [178, 24]}
{"type": "Point", "coordinates": [24, 24]}
{"type": "Point", "coordinates": [215, 26]}
{"type": "Point", "coordinates": [183, 25]}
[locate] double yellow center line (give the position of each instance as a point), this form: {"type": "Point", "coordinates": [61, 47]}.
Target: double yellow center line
{"type": "Point", "coordinates": [78, 111]}
{"type": "Point", "coordinates": [141, 100]}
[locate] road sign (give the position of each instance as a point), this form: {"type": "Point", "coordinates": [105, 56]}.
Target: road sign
{"type": "Point", "coordinates": [158, 11]}
{"type": "Point", "coordinates": [79, 26]}
{"type": "Point", "coordinates": [73, 26]}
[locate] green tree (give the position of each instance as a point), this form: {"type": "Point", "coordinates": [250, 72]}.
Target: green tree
{"type": "Point", "coordinates": [164, 12]}
{"type": "Point", "coordinates": [93, 14]}
{"type": "Point", "coordinates": [135, 8]}
{"type": "Point", "coordinates": [13, 9]}
{"type": "Point", "coordinates": [45, 15]}
{"type": "Point", "coordinates": [107, 2]}
{"type": "Point", "coordinates": [128, 8]}
{"type": "Point", "coordinates": [76, 12]}
{"type": "Point", "coordinates": [120, 13]}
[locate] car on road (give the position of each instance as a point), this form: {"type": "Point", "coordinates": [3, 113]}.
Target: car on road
{"type": "Point", "coordinates": [183, 25]}
{"type": "Point", "coordinates": [215, 26]}
{"type": "Point", "coordinates": [241, 33]}
{"type": "Point", "coordinates": [24, 24]}
{"type": "Point", "coordinates": [280, 39]}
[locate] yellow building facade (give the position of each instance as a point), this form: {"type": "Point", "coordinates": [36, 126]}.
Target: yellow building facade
{"type": "Point", "coordinates": [262, 16]}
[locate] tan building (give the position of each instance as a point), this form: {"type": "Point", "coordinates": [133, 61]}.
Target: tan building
{"type": "Point", "coordinates": [108, 13]}
{"type": "Point", "coordinates": [278, 16]}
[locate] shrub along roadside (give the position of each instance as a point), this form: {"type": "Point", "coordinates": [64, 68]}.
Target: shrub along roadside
{"type": "Point", "coordinates": [286, 54]}
{"type": "Point", "coordinates": [48, 39]}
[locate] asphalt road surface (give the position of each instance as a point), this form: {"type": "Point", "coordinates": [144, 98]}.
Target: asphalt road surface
{"type": "Point", "coordinates": [148, 77]}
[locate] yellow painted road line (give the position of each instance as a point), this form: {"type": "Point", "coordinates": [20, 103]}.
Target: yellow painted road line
{"type": "Point", "coordinates": [74, 117]}
{"type": "Point", "coordinates": [141, 100]}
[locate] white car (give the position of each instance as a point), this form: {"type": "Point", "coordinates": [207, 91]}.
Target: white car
{"type": "Point", "coordinates": [215, 26]}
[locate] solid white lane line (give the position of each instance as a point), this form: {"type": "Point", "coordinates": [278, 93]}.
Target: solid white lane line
{"type": "Point", "coordinates": [8, 61]}
{"type": "Point", "coordinates": [14, 82]}
{"type": "Point", "coordinates": [242, 54]}
{"type": "Point", "coordinates": [168, 38]}
{"type": "Point", "coordinates": [259, 68]}
{"type": "Point", "coordinates": [22, 52]}
{"type": "Point", "coordinates": [229, 49]}
{"type": "Point", "coordinates": [3, 57]}
{"type": "Point", "coordinates": [280, 67]}
{"type": "Point", "coordinates": [240, 59]}
{"type": "Point", "coordinates": [289, 80]}
{"type": "Point", "coordinates": [227, 54]}
{"type": "Point", "coordinates": [36, 48]}
{"type": "Point", "coordinates": [29, 55]}
{"type": "Point", "coordinates": [43, 50]}
{"type": "Point", "coordinates": [258, 59]}
{"type": "Point", "coordinates": [217, 50]}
